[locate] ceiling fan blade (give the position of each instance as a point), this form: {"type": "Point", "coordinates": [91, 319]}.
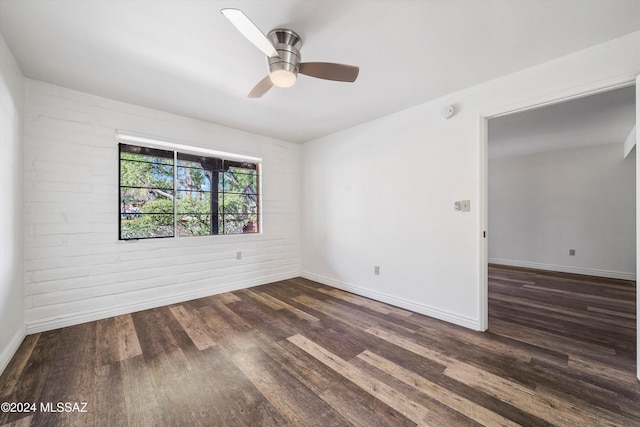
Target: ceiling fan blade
{"type": "Point", "coordinates": [261, 88]}
{"type": "Point", "coordinates": [248, 29]}
{"type": "Point", "coordinates": [330, 71]}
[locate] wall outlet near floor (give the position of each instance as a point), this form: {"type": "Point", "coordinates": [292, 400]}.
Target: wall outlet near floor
{"type": "Point", "coordinates": [376, 270]}
{"type": "Point", "coordinates": [572, 252]}
{"type": "Point", "coordinates": [239, 255]}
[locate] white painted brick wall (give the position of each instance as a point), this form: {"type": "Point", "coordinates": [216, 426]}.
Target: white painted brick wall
{"type": "Point", "coordinates": [76, 270]}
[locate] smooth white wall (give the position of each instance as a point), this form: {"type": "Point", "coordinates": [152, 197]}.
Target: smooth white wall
{"type": "Point", "coordinates": [542, 205]}
{"type": "Point", "coordinates": [382, 193]}
{"type": "Point", "coordinates": [76, 270]}
{"type": "Point", "coordinates": [637, 224]}
{"type": "Point", "coordinates": [12, 328]}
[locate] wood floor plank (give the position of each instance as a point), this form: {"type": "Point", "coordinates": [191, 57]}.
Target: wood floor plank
{"type": "Point", "coordinates": [22, 422]}
{"type": "Point", "coordinates": [16, 369]}
{"type": "Point", "coordinates": [198, 331]}
{"type": "Point", "coordinates": [136, 382]}
{"type": "Point", "coordinates": [34, 376]}
{"type": "Point", "coordinates": [602, 370]}
{"type": "Point", "coordinates": [342, 312]}
{"type": "Point", "coordinates": [437, 392]}
{"type": "Point", "coordinates": [275, 305]}
{"type": "Point", "coordinates": [128, 344]}
{"type": "Point", "coordinates": [298, 404]}
{"type": "Point", "coordinates": [220, 394]}
{"type": "Point", "coordinates": [581, 295]}
{"type": "Point", "coordinates": [362, 409]}
{"type": "Point", "coordinates": [562, 312]}
{"type": "Point", "coordinates": [612, 312]}
{"type": "Point", "coordinates": [227, 298]}
{"type": "Point", "coordinates": [560, 350]}
{"type": "Point", "coordinates": [439, 413]}
{"type": "Point", "coordinates": [107, 341]}
{"type": "Point", "coordinates": [231, 334]}
{"type": "Point", "coordinates": [316, 376]}
{"type": "Point", "coordinates": [549, 340]}
{"type": "Point", "coordinates": [542, 406]}
{"type": "Point", "coordinates": [260, 317]}
{"type": "Point", "coordinates": [365, 302]}
{"type": "Point", "coordinates": [295, 310]}
{"type": "Point", "coordinates": [165, 349]}
{"type": "Point", "coordinates": [595, 333]}
{"type": "Point", "coordinates": [116, 339]}
{"type": "Point", "coordinates": [415, 412]}
{"type": "Point", "coordinates": [108, 397]}
{"type": "Point", "coordinates": [77, 349]}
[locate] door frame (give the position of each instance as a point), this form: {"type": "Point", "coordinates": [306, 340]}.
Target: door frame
{"type": "Point", "coordinates": [483, 132]}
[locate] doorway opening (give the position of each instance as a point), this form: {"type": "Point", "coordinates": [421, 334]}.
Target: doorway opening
{"type": "Point", "coordinates": [560, 210]}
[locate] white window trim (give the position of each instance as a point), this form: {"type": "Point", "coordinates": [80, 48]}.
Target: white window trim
{"type": "Point", "coordinates": [126, 137]}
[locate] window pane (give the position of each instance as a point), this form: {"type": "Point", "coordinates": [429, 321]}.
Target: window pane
{"type": "Point", "coordinates": [144, 226]}
{"type": "Point", "coordinates": [193, 179]}
{"type": "Point", "coordinates": [200, 162]}
{"type": "Point", "coordinates": [143, 174]}
{"type": "Point", "coordinates": [194, 202]}
{"type": "Point", "coordinates": [194, 225]}
{"type": "Point", "coordinates": [247, 168]}
{"type": "Point", "coordinates": [245, 181]}
{"type": "Point", "coordinates": [238, 224]}
{"type": "Point", "coordinates": [146, 159]}
{"type": "Point", "coordinates": [188, 163]}
{"type": "Point", "coordinates": [238, 203]}
{"type": "Point", "coordinates": [154, 155]}
{"type": "Point", "coordinates": [145, 200]}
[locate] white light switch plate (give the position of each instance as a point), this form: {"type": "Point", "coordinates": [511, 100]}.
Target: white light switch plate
{"type": "Point", "coordinates": [462, 205]}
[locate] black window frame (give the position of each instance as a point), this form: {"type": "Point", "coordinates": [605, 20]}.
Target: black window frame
{"type": "Point", "coordinates": [214, 167]}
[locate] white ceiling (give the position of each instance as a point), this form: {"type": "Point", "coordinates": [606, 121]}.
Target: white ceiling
{"type": "Point", "coordinates": [184, 57]}
{"type": "Point", "coordinates": [604, 118]}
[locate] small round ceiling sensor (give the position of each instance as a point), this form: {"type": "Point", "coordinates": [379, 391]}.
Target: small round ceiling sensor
{"type": "Point", "coordinates": [446, 112]}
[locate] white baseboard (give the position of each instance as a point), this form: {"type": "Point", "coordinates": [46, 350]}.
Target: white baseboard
{"type": "Point", "coordinates": [76, 318]}
{"type": "Point", "coordinates": [11, 348]}
{"type": "Point", "coordinates": [436, 313]}
{"type": "Point", "coordinates": [564, 269]}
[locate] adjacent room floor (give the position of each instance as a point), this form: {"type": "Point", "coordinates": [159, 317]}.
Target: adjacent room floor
{"type": "Point", "coordinates": [560, 351]}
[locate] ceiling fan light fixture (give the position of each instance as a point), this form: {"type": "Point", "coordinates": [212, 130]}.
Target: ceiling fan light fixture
{"type": "Point", "coordinates": [282, 47]}
{"type": "Point", "coordinates": [283, 78]}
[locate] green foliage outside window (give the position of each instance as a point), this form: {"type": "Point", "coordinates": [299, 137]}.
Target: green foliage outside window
{"type": "Point", "coordinates": [212, 196]}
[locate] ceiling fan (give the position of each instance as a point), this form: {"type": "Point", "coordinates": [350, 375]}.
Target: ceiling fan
{"type": "Point", "coordinates": [282, 47]}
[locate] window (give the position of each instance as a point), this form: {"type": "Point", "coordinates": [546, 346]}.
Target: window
{"type": "Point", "coordinates": [146, 193]}
{"type": "Point", "coordinates": [168, 194]}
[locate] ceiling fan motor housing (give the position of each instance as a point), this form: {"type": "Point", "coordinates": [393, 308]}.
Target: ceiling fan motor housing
{"type": "Point", "coordinates": [283, 69]}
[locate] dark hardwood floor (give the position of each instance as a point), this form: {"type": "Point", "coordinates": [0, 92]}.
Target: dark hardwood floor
{"type": "Point", "coordinates": [560, 351]}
